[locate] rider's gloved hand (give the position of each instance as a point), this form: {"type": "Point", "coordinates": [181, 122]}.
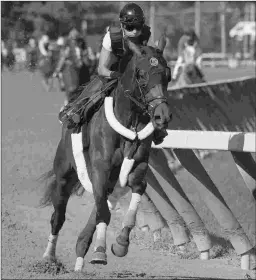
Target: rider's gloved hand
{"type": "Point", "coordinates": [115, 75]}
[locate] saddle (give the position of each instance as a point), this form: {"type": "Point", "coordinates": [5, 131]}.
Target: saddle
{"type": "Point", "coordinates": [85, 102]}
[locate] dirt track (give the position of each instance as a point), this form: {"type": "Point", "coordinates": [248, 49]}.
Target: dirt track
{"type": "Point", "coordinates": [30, 133]}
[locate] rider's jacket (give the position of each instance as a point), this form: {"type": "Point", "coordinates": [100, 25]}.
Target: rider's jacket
{"type": "Point", "coordinates": [117, 38]}
{"type": "Point", "coordinates": [118, 44]}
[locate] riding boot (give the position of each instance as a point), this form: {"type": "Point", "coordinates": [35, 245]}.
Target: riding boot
{"type": "Point", "coordinates": [159, 135]}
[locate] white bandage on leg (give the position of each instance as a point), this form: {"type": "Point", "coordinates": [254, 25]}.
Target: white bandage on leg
{"type": "Point", "coordinates": [51, 246]}
{"type": "Point", "coordinates": [101, 231]}
{"type": "Point", "coordinates": [135, 201]}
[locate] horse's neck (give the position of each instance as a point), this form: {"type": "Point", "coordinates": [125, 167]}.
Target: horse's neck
{"type": "Point", "coordinates": [127, 112]}
{"type": "Point", "coordinates": [123, 107]}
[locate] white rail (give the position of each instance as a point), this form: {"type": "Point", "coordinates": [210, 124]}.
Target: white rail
{"type": "Point", "coordinates": [209, 140]}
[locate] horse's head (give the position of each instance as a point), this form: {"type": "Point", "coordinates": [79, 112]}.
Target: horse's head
{"type": "Point", "coordinates": [150, 77]}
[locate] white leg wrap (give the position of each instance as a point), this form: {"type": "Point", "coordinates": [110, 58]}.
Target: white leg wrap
{"type": "Point", "coordinates": [125, 171]}
{"type": "Point", "coordinates": [130, 217]}
{"type": "Point", "coordinates": [51, 246]}
{"type": "Point", "coordinates": [135, 201]}
{"type": "Point", "coordinates": [245, 261]}
{"type": "Point", "coordinates": [205, 255]}
{"type": "Point", "coordinates": [111, 204]}
{"type": "Point", "coordinates": [77, 148]}
{"type": "Point", "coordinates": [101, 231]}
{"type": "Point", "coordinates": [79, 264]}
{"type": "Point", "coordinates": [157, 235]}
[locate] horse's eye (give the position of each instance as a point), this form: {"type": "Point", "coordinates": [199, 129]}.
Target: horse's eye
{"type": "Point", "coordinates": [142, 72]}
{"type": "Point", "coordinates": [143, 52]}
{"type": "Point", "coordinates": [159, 51]}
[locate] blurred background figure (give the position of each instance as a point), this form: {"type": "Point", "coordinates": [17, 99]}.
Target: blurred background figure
{"type": "Point", "coordinates": [47, 61]}
{"type": "Point", "coordinates": [226, 30]}
{"type": "Point", "coordinates": [189, 52]}
{"type": "Point", "coordinates": [3, 53]}
{"type": "Point", "coordinates": [43, 46]}
{"type": "Point", "coordinates": [9, 59]}
{"type": "Point", "coordinates": [32, 54]}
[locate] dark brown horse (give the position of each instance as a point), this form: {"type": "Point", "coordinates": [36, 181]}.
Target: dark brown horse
{"type": "Point", "coordinates": [114, 144]}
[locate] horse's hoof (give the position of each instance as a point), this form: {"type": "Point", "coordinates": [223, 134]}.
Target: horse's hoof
{"type": "Point", "coordinates": [49, 258]}
{"type": "Point", "coordinates": [79, 264]}
{"type": "Point", "coordinates": [99, 257]}
{"type": "Point", "coordinates": [119, 250]}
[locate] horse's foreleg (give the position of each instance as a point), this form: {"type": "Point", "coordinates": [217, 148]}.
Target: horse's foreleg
{"type": "Point", "coordinates": [138, 185]}
{"type": "Point", "coordinates": [85, 238]}
{"type": "Point", "coordinates": [100, 176]}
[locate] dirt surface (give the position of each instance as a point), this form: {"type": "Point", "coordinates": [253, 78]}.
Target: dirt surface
{"type": "Point", "coordinates": [30, 133]}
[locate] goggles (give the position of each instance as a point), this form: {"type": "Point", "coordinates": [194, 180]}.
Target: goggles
{"type": "Point", "coordinates": [131, 27]}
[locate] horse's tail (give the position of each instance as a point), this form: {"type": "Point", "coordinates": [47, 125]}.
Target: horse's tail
{"type": "Point", "coordinates": [51, 188]}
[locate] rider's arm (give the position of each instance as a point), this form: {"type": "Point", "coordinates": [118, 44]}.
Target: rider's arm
{"type": "Point", "coordinates": [199, 56]}
{"type": "Point", "coordinates": [107, 58]}
{"type": "Point", "coordinates": [42, 48]}
{"type": "Point", "coordinates": [199, 61]}
{"type": "Point", "coordinates": [179, 62]}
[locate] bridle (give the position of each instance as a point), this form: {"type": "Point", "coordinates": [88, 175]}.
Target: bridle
{"type": "Point", "coordinates": [146, 104]}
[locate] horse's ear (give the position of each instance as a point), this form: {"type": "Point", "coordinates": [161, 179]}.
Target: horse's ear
{"type": "Point", "coordinates": [162, 42]}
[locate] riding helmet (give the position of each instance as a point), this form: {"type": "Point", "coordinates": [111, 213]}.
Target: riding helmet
{"type": "Point", "coordinates": [132, 14]}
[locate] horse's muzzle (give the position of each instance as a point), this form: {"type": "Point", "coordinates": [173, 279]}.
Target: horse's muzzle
{"type": "Point", "coordinates": [162, 116]}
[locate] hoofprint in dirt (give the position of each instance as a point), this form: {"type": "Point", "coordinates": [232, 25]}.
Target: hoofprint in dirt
{"type": "Point", "coordinates": [30, 132]}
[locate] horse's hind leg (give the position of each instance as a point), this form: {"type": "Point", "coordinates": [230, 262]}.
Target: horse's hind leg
{"type": "Point", "coordinates": [66, 179]}
{"type": "Point", "coordinates": [84, 240]}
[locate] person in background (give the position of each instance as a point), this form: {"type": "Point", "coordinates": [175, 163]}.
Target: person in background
{"type": "Point", "coordinates": [189, 51]}
{"type": "Point", "coordinates": [32, 54]}
{"type": "Point", "coordinates": [4, 53]}
{"type": "Point", "coordinates": [43, 45]}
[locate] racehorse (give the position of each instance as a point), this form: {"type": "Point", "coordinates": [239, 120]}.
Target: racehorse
{"type": "Point", "coordinates": [115, 143]}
